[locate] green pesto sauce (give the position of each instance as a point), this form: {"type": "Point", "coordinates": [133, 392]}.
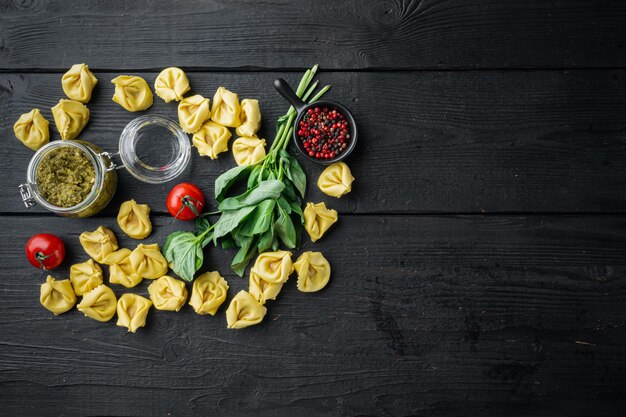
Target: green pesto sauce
{"type": "Point", "coordinates": [65, 177]}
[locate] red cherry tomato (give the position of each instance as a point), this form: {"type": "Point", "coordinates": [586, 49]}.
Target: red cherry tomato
{"type": "Point", "coordinates": [185, 201]}
{"type": "Point", "coordinates": [45, 251]}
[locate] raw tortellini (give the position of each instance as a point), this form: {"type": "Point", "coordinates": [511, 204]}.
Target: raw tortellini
{"type": "Point", "coordinates": [248, 151]}
{"type": "Point", "coordinates": [168, 293]}
{"type": "Point", "coordinates": [99, 243]}
{"type": "Point", "coordinates": [261, 289]}
{"type": "Point", "coordinates": [132, 311]}
{"type": "Point", "coordinates": [78, 83]}
{"type": "Point", "coordinates": [313, 271]}
{"type": "Point", "coordinates": [211, 139]}
{"type": "Point", "coordinates": [148, 262]}
{"type": "Point", "coordinates": [244, 310]}
{"type": "Point", "coordinates": [99, 303]}
{"type": "Point", "coordinates": [134, 219]}
{"type": "Point", "coordinates": [32, 129]}
{"type": "Point", "coordinates": [208, 293]}
{"type": "Point", "coordinates": [273, 267]}
{"type": "Point", "coordinates": [121, 270]}
{"type": "Point", "coordinates": [171, 84]}
{"type": "Point", "coordinates": [57, 296]}
{"type": "Point", "coordinates": [70, 117]}
{"type": "Point", "coordinates": [250, 118]}
{"type": "Point", "coordinates": [132, 93]}
{"type": "Point", "coordinates": [317, 219]}
{"type": "Point", "coordinates": [85, 276]}
{"type": "Point", "coordinates": [336, 180]}
{"type": "Point", "coordinates": [226, 108]}
{"type": "Point", "coordinates": [193, 112]}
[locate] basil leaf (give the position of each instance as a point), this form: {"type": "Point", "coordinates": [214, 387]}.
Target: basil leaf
{"type": "Point", "coordinates": [184, 253]}
{"type": "Point", "coordinates": [265, 241]}
{"type": "Point", "coordinates": [289, 192]}
{"type": "Point", "coordinates": [243, 256]}
{"type": "Point", "coordinates": [269, 189]}
{"type": "Point", "coordinates": [228, 242]}
{"type": "Point", "coordinates": [284, 204]}
{"type": "Point", "coordinates": [253, 179]}
{"type": "Point", "coordinates": [295, 208]}
{"type": "Point", "coordinates": [259, 221]}
{"type": "Point", "coordinates": [227, 179]}
{"type": "Point", "coordinates": [294, 171]}
{"type": "Point", "coordinates": [229, 220]}
{"type": "Point", "coordinates": [285, 229]}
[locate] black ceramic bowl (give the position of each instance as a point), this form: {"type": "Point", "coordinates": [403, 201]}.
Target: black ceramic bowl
{"type": "Point", "coordinates": [301, 108]}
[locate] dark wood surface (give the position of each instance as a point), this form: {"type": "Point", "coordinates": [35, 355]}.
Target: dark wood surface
{"type": "Point", "coordinates": [478, 265]}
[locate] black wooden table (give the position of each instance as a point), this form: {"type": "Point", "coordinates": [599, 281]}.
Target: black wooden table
{"type": "Point", "coordinates": [479, 265]}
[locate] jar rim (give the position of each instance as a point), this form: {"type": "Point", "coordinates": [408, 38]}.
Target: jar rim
{"type": "Point", "coordinates": [33, 166]}
{"type": "Point", "coordinates": [154, 174]}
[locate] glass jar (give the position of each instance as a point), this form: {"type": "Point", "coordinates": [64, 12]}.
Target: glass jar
{"type": "Point", "coordinates": [105, 180]}
{"type": "Point", "coordinates": [153, 149]}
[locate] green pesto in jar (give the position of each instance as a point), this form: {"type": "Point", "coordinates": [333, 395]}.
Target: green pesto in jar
{"type": "Point", "coordinates": [65, 177]}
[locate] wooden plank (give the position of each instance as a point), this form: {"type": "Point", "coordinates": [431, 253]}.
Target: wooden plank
{"type": "Point", "coordinates": [424, 315]}
{"type": "Point", "coordinates": [408, 34]}
{"type": "Point", "coordinates": [447, 142]}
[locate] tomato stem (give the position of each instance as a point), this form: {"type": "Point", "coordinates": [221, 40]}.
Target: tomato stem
{"type": "Point", "coordinates": [41, 257]}
{"type": "Point", "coordinates": [188, 201]}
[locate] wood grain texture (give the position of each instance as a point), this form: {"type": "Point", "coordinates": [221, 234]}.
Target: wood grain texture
{"type": "Point", "coordinates": [446, 142]}
{"type": "Point", "coordinates": [358, 34]}
{"type": "Point", "coordinates": [440, 315]}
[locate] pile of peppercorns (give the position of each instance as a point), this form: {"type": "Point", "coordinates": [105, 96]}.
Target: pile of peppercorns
{"type": "Point", "coordinates": [324, 132]}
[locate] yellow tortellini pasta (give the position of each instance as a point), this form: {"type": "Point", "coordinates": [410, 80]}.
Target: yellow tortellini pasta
{"type": "Point", "coordinates": [208, 293]}
{"type": "Point", "coordinates": [70, 117]}
{"type": "Point", "coordinates": [99, 304]}
{"type": "Point", "coordinates": [57, 296]}
{"type": "Point", "coordinates": [171, 84]}
{"type": "Point", "coordinates": [121, 270]}
{"type": "Point", "coordinates": [99, 243]}
{"type": "Point", "coordinates": [317, 219]}
{"type": "Point", "coordinates": [32, 129]}
{"type": "Point", "coordinates": [313, 271]}
{"type": "Point", "coordinates": [261, 289]}
{"type": "Point", "coordinates": [78, 83]}
{"type": "Point", "coordinates": [273, 267]}
{"type": "Point", "coordinates": [134, 219]}
{"type": "Point", "coordinates": [132, 311]}
{"type": "Point", "coordinates": [248, 151]}
{"type": "Point", "coordinates": [85, 276]}
{"type": "Point", "coordinates": [148, 262]}
{"type": "Point", "coordinates": [336, 180]}
{"type": "Point", "coordinates": [193, 112]}
{"type": "Point", "coordinates": [226, 108]}
{"type": "Point", "coordinates": [132, 93]}
{"type": "Point", "coordinates": [168, 293]}
{"type": "Point", "coordinates": [244, 310]}
{"type": "Point", "coordinates": [250, 118]}
{"type": "Point", "coordinates": [211, 139]}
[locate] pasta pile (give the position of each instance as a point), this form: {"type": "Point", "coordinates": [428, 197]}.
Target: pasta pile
{"type": "Point", "coordinates": [70, 115]}
{"type": "Point", "coordinates": [209, 124]}
{"type": "Point", "coordinates": [270, 272]}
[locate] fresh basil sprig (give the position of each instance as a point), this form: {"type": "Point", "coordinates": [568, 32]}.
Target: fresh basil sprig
{"type": "Point", "coordinates": [269, 212]}
{"type": "Point", "coordinates": [185, 250]}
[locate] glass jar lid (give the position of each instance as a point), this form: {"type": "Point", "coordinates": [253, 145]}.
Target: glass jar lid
{"type": "Point", "coordinates": [154, 149]}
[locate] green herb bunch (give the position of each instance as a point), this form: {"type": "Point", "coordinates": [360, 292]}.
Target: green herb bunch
{"type": "Point", "coordinates": [267, 214]}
